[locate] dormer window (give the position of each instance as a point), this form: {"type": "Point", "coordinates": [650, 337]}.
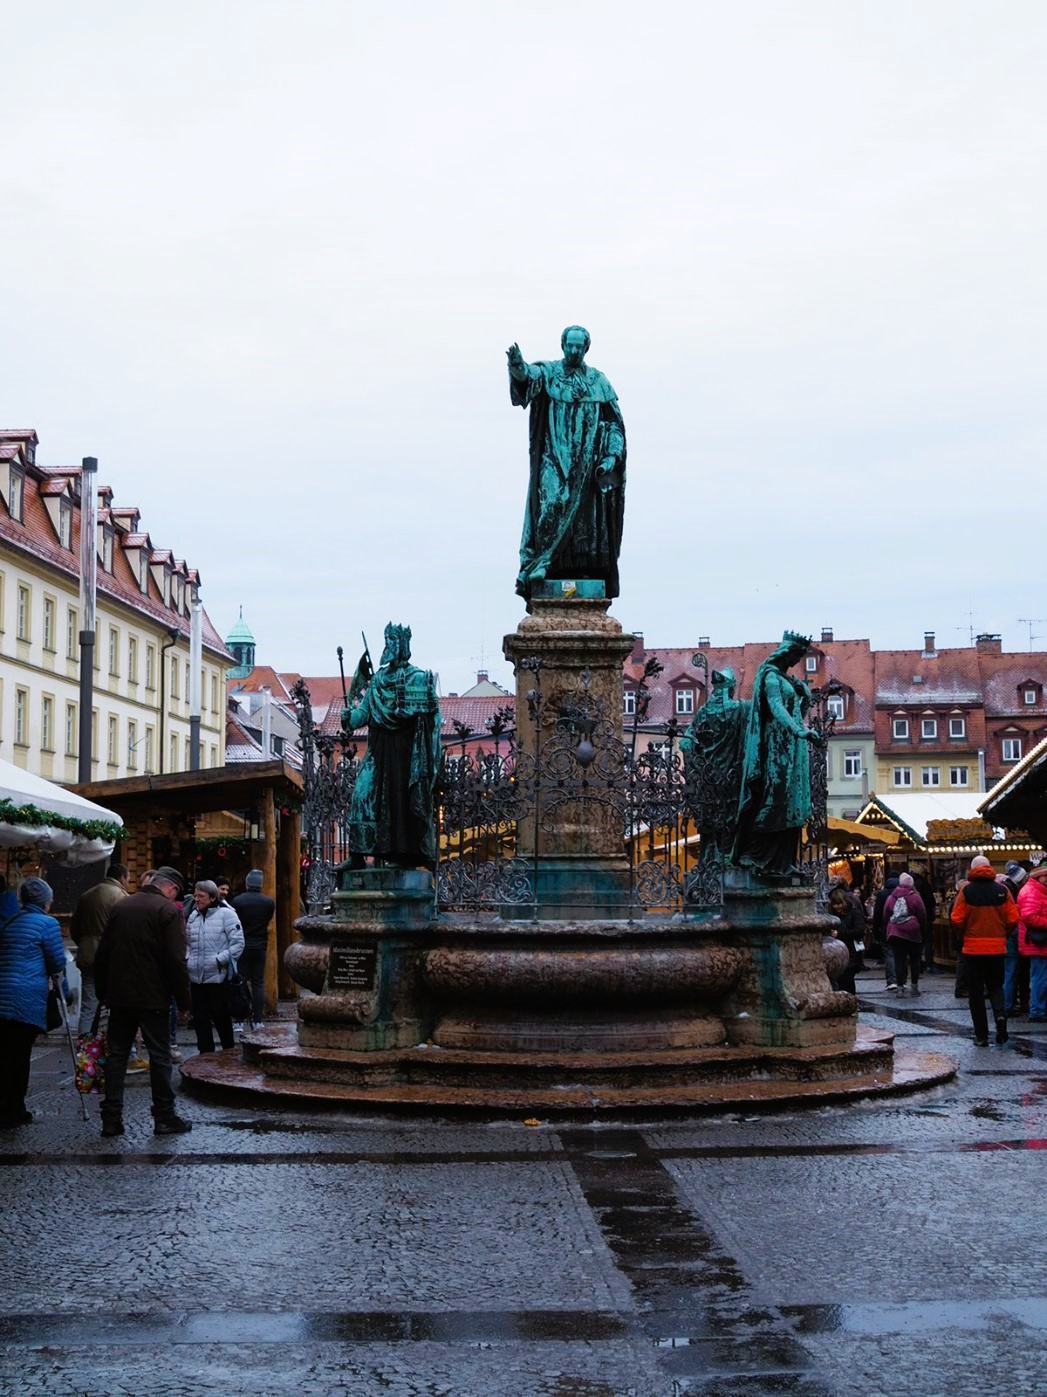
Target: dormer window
{"type": "Point", "coordinates": [1030, 694]}
{"type": "Point", "coordinates": [900, 729]}
{"type": "Point", "coordinates": [17, 494]}
{"type": "Point", "coordinates": [65, 523]}
{"type": "Point", "coordinates": [810, 664]}
{"type": "Point", "coordinates": [1012, 749]}
{"type": "Point", "coordinates": [107, 548]}
{"type": "Point", "coordinates": [957, 727]}
{"type": "Point", "coordinates": [684, 702]}
{"type": "Point", "coordinates": [834, 706]}
{"type": "Point", "coordinates": [629, 702]}
{"type": "Point", "coordinates": [143, 572]}
{"type": "Point", "coordinates": [928, 729]}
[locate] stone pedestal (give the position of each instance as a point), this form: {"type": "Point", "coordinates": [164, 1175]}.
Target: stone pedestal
{"type": "Point", "coordinates": [783, 997]}
{"type": "Point", "coordinates": [360, 966]}
{"type": "Point", "coordinates": [577, 846]}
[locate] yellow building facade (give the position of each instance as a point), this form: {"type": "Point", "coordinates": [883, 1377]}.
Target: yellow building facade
{"type": "Point", "coordinates": [140, 710]}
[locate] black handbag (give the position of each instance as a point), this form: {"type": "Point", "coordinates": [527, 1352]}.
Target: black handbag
{"type": "Point", "coordinates": [237, 994]}
{"type": "Point", "coordinates": [54, 1013]}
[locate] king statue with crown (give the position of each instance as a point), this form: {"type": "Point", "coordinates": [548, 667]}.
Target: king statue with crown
{"type": "Point", "coordinates": [391, 810]}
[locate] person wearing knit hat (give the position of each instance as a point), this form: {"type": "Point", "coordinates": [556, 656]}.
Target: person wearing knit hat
{"type": "Point", "coordinates": [905, 919]}
{"type": "Point", "coordinates": [983, 913]}
{"type": "Point", "coordinates": [255, 911]}
{"type": "Point", "coordinates": [31, 951]}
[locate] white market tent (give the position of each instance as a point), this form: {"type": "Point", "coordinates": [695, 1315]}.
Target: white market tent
{"type": "Point", "coordinates": [61, 839]}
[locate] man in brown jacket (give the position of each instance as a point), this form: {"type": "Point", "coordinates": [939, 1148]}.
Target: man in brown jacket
{"type": "Point", "coordinates": [89, 919]}
{"type": "Point", "coordinates": [139, 969]}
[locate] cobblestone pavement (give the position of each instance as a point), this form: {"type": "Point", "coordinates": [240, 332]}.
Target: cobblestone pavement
{"type": "Point", "coordinates": [890, 1246]}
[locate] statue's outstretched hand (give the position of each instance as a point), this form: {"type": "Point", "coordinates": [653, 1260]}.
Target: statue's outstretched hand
{"type": "Point", "coordinates": [516, 361]}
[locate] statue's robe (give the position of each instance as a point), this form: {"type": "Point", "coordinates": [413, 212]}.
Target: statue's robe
{"type": "Point", "coordinates": [572, 527]}
{"type": "Point", "coordinates": [775, 800]}
{"type": "Point", "coordinates": [391, 809]}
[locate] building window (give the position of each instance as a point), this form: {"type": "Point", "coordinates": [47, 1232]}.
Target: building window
{"type": "Point", "coordinates": [132, 744]}
{"type": "Point", "coordinates": [21, 717]}
{"type": "Point", "coordinates": [834, 706]}
{"type": "Point", "coordinates": [49, 624]}
{"type": "Point", "coordinates": [957, 727]}
{"type": "Point", "coordinates": [214, 697]}
{"type": "Point", "coordinates": [17, 492]}
{"type": "Point", "coordinates": [1012, 749]}
{"type": "Point", "coordinates": [112, 742]}
{"type": "Point", "coordinates": [65, 523]}
{"type": "Point", "coordinates": [900, 729]}
{"type": "Point", "coordinates": [852, 765]}
{"type": "Point", "coordinates": [1029, 696]}
{"type": "Point", "coordinates": [150, 666]}
{"type": "Point", "coordinates": [23, 614]}
{"type": "Point", "coordinates": [175, 671]}
{"type": "Point", "coordinates": [132, 659]}
{"type": "Point", "coordinates": [148, 749]}
{"type": "Point", "coordinates": [47, 724]}
{"type": "Point", "coordinates": [928, 729]}
{"type": "Point", "coordinates": [931, 776]}
{"type": "Point", "coordinates": [188, 688]}
{"type": "Point", "coordinates": [114, 651]}
{"type": "Point", "coordinates": [214, 755]}
{"type": "Point", "coordinates": [902, 776]}
{"type": "Point", "coordinates": [107, 550]}
{"type": "Point", "coordinates": [70, 729]}
{"type": "Point", "coordinates": [685, 701]}
{"type": "Point", "coordinates": [143, 573]}
{"type": "Point", "coordinates": [628, 701]}
{"type": "Point", "coordinates": [174, 753]}
{"type": "Point", "coordinates": [187, 762]}
{"type": "Point", "coordinates": [72, 637]}
{"type": "Point", "coordinates": [810, 664]}
{"type": "Point", "coordinates": [958, 776]}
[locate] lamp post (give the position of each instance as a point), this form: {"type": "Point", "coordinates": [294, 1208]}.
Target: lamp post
{"type": "Point", "coordinates": [174, 633]}
{"type": "Point", "coordinates": [88, 591]}
{"type": "Point", "coordinates": [195, 661]}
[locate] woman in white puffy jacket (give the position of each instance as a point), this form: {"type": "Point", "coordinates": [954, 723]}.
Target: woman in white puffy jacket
{"type": "Point", "coordinates": [214, 943]}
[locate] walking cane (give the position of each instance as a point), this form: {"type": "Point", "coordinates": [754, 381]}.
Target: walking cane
{"type": "Point", "coordinates": [56, 981]}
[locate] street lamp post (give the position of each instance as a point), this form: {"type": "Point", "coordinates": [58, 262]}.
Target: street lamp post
{"type": "Point", "coordinates": [88, 591]}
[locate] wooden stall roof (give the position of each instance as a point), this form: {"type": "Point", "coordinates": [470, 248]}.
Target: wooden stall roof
{"type": "Point", "coordinates": [214, 788]}
{"type": "Point", "coordinates": [1020, 798]}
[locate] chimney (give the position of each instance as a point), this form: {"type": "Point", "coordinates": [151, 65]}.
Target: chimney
{"type": "Point", "coordinates": [481, 676]}
{"type": "Point", "coordinates": [827, 634]}
{"type": "Point", "coordinates": [703, 642]}
{"type": "Point", "coordinates": [988, 644]}
{"type": "Point", "coordinates": [928, 643]}
{"type": "Point", "coordinates": [638, 651]}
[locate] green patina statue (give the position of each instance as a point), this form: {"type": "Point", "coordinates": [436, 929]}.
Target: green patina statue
{"type": "Point", "coordinates": [775, 799]}
{"type": "Point", "coordinates": [573, 517]}
{"type": "Point", "coordinates": [391, 810]}
{"type": "Point", "coordinates": [712, 750]}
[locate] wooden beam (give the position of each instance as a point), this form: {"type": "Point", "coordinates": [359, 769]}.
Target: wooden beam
{"type": "Point", "coordinates": [269, 888]}
{"type": "Point", "coordinates": [288, 876]}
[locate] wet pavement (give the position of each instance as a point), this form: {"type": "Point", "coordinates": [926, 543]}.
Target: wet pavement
{"type": "Point", "coordinates": [887, 1246]}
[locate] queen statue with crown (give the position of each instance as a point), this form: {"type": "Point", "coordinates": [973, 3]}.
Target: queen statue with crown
{"type": "Point", "coordinates": [775, 798]}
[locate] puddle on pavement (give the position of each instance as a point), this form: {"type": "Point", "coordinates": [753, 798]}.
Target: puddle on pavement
{"type": "Point", "coordinates": [915, 1316]}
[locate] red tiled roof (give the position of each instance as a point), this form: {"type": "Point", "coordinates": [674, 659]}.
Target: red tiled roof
{"type": "Point", "coordinates": [473, 712]}
{"type": "Point", "coordinates": [36, 537]}
{"type": "Point", "coordinates": [261, 677]}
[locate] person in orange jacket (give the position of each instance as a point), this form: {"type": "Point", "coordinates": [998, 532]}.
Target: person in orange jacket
{"type": "Point", "coordinates": [984, 912]}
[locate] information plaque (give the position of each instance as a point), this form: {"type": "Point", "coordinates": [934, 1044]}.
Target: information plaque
{"type": "Point", "coordinates": [352, 967]}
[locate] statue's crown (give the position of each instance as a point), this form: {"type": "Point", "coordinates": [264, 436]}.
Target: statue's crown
{"type": "Point", "coordinates": [795, 638]}
{"type": "Point", "coordinates": [398, 633]}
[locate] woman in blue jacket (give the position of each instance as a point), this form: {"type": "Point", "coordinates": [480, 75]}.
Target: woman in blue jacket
{"type": "Point", "coordinates": [31, 951]}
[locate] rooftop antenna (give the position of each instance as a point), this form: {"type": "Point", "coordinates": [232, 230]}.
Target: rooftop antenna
{"type": "Point", "coordinates": [969, 628]}
{"type": "Point", "coordinates": [1031, 621]}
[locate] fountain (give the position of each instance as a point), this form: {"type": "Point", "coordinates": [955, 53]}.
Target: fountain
{"type": "Point", "coordinates": [547, 938]}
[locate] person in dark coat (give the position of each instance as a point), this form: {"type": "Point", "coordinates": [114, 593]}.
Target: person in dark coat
{"type": "Point", "coordinates": [255, 911]}
{"type": "Point", "coordinates": [89, 921]}
{"type": "Point", "coordinates": [139, 968]}
{"type": "Point", "coordinates": [851, 932]}
{"type": "Point", "coordinates": [879, 931]}
{"type": "Point", "coordinates": [31, 951]}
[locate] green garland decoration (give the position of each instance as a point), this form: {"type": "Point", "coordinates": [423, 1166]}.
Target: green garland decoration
{"type": "Point", "coordinates": [11, 814]}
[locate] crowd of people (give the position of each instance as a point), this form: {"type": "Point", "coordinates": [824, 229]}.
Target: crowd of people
{"type": "Point", "coordinates": [999, 923]}
{"type": "Point", "coordinates": [151, 959]}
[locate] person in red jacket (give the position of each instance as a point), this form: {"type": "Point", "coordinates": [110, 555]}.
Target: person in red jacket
{"type": "Point", "coordinates": [1032, 939]}
{"type": "Point", "coordinates": [984, 912]}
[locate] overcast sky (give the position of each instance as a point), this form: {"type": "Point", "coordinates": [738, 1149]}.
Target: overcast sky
{"type": "Point", "coordinates": [264, 259]}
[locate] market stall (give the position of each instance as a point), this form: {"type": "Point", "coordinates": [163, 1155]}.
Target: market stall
{"type": "Point", "coordinates": [44, 822]}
